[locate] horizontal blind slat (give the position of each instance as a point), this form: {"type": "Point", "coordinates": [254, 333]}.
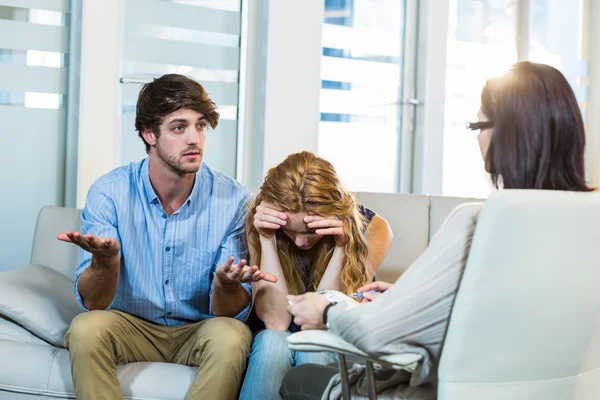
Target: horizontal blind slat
{"type": "Point", "coordinates": [52, 5]}
{"type": "Point", "coordinates": [359, 71]}
{"type": "Point", "coordinates": [358, 102]}
{"type": "Point", "coordinates": [17, 35]}
{"type": "Point", "coordinates": [221, 93]}
{"type": "Point", "coordinates": [23, 78]}
{"type": "Point", "coordinates": [182, 53]}
{"type": "Point", "coordinates": [361, 43]}
{"type": "Point", "coordinates": [183, 16]}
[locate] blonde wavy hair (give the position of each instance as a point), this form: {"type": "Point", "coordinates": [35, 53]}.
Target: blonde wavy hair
{"type": "Point", "coordinates": [304, 182]}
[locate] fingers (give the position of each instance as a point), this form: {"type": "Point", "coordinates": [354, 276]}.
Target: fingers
{"type": "Point", "coordinates": [264, 276]}
{"type": "Point", "coordinates": [296, 299]}
{"type": "Point", "coordinates": [236, 270]}
{"type": "Point", "coordinates": [330, 222]}
{"type": "Point", "coordinates": [370, 296]}
{"type": "Point", "coordinates": [330, 231]}
{"type": "Point", "coordinates": [272, 219]}
{"type": "Point", "coordinates": [325, 226]}
{"type": "Point", "coordinates": [247, 273]}
{"type": "Point", "coordinates": [378, 285]}
{"type": "Point", "coordinates": [269, 209]}
{"type": "Point", "coordinates": [266, 225]}
{"type": "Point", "coordinates": [269, 277]}
{"type": "Point", "coordinates": [64, 237]}
{"type": "Point", "coordinates": [76, 238]}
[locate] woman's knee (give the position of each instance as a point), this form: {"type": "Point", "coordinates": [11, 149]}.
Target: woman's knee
{"type": "Point", "coordinates": [270, 347]}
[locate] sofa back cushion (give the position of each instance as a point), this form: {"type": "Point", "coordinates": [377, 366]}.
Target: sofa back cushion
{"type": "Point", "coordinates": [441, 207]}
{"type": "Point", "coordinates": [49, 251]}
{"type": "Point", "coordinates": [408, 216]}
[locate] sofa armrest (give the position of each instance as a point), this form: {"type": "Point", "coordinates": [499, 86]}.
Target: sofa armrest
{"type": "Point", "coordinates": [317, 341]}
{"type": "Point", "coordinates": [39, 299]}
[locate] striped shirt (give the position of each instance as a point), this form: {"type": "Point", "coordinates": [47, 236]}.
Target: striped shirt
{"type": "Point", "coordinates": [167, 262]}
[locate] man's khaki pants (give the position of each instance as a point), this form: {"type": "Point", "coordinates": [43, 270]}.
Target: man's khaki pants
{"type": "Point", "coordinates": [99, 340]}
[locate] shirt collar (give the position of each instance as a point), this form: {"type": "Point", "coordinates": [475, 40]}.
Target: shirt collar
{"type": "Point", "coordinates": [151, 194]}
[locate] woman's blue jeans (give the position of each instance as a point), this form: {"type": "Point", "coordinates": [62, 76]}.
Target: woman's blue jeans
{"type": "Point", "coordinates": [270, 360]}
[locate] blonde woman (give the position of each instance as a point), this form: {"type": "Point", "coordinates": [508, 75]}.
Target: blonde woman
{"type": "Point", "coordinates": [307, 229]}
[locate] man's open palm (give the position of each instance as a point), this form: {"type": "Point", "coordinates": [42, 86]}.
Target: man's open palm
{"type": "Point", "coordinates": [99, 247]}
{"type": "Point", "coordinates": [237, 273]}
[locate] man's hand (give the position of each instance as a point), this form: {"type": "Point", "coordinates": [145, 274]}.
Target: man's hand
{"type": "Point", "coordinates": [230, 274]}
{"type": "Point", "coordinates": [307, 310]}
{"type": "Point", "coordinates": [268, 218]}
{"type": "Point", "coordinates": [380, 286]}
{"type": "Point", "coordinates": [101, 248]}
{"type": "Point", "coordinates": [327, 226]}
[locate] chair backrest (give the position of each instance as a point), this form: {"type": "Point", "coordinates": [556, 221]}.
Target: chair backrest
{"type": "Point", "coordinates": [526, 320]}
{"type": "Point", "coordinates": [49, 251]}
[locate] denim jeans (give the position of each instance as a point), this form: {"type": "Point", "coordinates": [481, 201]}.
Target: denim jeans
{"type": "Point", "coordinates": [270, 360]}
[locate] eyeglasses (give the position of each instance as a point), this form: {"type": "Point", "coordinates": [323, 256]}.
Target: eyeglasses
{"type": "Point", "coordinates": [479, 125]}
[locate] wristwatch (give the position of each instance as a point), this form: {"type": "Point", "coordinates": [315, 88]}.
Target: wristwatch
{"type": "Point", "coordinates": [333, 303]}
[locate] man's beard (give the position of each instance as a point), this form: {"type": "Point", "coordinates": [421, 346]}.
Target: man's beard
{"type": "Point", "coordinates": [175, 162]}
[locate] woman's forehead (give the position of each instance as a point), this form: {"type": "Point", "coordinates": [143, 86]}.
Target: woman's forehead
{"type": "Point", "coordinates": [295, 222]}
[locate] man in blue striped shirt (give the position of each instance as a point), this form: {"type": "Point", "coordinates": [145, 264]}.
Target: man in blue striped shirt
{"type": "Point", "coordinates": [163, 256]}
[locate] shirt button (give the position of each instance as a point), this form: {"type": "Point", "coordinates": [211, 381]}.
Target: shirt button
{"type": "Point", "coordinates": [169, 313]}
{"type": "Point", "coordinates": [164, 216]}
{"type": "Point", "coordinates": [168, 249]}
{"type": "Point", "coordinates": [167, 282]}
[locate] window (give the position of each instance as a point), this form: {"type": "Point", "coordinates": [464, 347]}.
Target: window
{"type": "Point", "coordinates": [361, 72]}
{"type": "Point", "coordinates": [482, 42]}
{"type": "Point", "coordinates": [34, 52]}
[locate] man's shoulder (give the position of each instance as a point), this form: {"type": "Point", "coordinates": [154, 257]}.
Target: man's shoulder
{"type": "Point", "coordinates": [116, 181]}
{"type": "Point", "coordinates": [221, 180]}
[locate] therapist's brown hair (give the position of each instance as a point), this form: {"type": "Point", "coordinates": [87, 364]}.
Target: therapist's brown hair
{"type": "Point", "coordinates": [538, 140]}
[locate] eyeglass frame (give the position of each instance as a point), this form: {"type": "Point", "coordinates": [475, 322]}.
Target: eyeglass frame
{"type": "Point", "coordinates": [479, 125]}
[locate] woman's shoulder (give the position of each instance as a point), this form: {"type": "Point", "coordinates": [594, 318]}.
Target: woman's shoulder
{"type": "Point", "coordinates": [367, 213]}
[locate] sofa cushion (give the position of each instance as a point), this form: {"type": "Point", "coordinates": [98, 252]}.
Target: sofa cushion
{"type": "Point", "coordinates": [9, 330]}
{"type": "Point", "coordinates": [39, 299]}
{"type": "Point", "coordinates": [46, 371]}
{"type": "Point", "coordinates": [440, 209]}
{"type": "Point", "coordinates": [408, 216]}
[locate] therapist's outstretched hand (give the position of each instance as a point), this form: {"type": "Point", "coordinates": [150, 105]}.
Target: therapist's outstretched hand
{"type": "Point", "coordinates": [374, 289]}
{"type": "Point", "coordinates": [307, 310]}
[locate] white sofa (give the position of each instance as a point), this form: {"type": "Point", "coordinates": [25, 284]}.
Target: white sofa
{"type": "Point", "coordinates": [525, 324]}
{"type": "Point", "coordinates": [37, 303]}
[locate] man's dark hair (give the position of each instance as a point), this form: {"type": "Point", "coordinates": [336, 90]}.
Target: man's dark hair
{"type": "Point", "coordinates": [168, 94]}
{"type": "Point", "coordinates": [538, 140]}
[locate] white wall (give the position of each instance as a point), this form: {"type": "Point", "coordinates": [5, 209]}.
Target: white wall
{"type": "Point", "coordinates": [99, 123]}
{"type": "Point", "coordinates": [284, 85]}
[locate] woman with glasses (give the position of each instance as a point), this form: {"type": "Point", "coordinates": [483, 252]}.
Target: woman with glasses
{"type": "Point", "coordinates": [531, 136]}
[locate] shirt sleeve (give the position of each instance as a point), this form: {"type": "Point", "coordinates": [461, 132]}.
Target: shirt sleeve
{"type": "Point", "coordinates": [235, 244]}
{"type": "Point", "coordinates": [414, 313]}
{"type": "Point", "coordinates": [99, 218]}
